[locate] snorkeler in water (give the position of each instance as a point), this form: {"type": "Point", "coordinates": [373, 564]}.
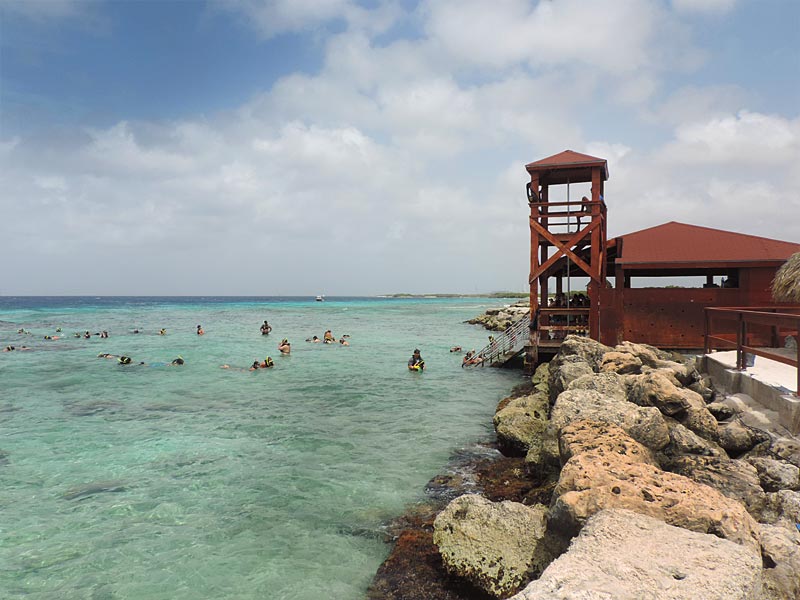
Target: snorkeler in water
{"type": "Point", "coordinates": [285, 347]}
{"type": "Point", "coordinates": [416, 363]}
{"type": "Point", "coordinates": [200, 330]}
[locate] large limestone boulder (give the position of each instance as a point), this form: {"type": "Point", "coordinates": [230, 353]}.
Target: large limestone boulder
{"type": "Point", "coordinates": [685, 441]}
{"type": "Point", "coordinates": [603, 439]}
{"type": "Point", "coordinates": [625, 555]}
{"type": "Point", "coordinates": [782, 508]}
{"type": "Point", "coordinates": [623, 363]}
{"type": "Point", "coordinates": [700, 420]}
{"type": "Point", "coordinates": [706, 391]}
{"type": "Point", "coordinates": [590, 482]}
{"type": "Point", "coordinates": [542, 458]}
{"type": "Point", "coordinates": [648, 355]}
{"type": "Point", "coordinates": [609, 384]}
{"type": "Point", "coordinates": [541, 378]}
{"type": "Point", "coordinates": [776, 475]}
{"type": "Point", "coordinates": [736, 439]}
{"type": "Point", "coordinates": [565, 370]}
{"type": "Point", "coordinates": [735, 479]}
{"type": "Point", "coordinates": [497, 546]}
{"type": "Point", "coordinates": [646, 425]}
{"type": "Point", "coordinates": [720, 410]}
{"type": "Point", "coordinates": [586, 348]}
{"type": "Point", "coordinates": [521, 422]}
{"type": "Point", "coordinates": [657, 389]}
{"type": "Point", "coordinates": [577, 356]}
{"type": "Point", "coordinates": [787, 449]}
{"type": "Point", "coordinates": [780, 549]}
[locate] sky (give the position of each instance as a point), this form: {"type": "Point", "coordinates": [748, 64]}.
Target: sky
{"type": "Point", "coordinates": [339, 147]}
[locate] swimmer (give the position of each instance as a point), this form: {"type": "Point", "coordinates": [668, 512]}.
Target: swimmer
{"type": "Point", "coordinates": [267, 364]}
{"type": "Point", "coordinates": [455, 349]}
{"type": "Point", "coordinates": [52, 337]}
{"type": "Point", "coordinates": [162, 332]}
{"type": "Point", "coordinates": [266, 328]}
{"type": "Point", "coordinates": [58, 329]}
{"type": "Point", "coordinates": [285, 347]}
{"type": "Point", "coordinates": [200, 330]}
{"type": "Point", "coordinates": [9, 349]}
{"type": "Point", "coordinates": [415, 363]}
{"type": "Point", "coordinates": [252, 368]}
{"type": "Point", "coordinates": [328, 337]}
{"type": "Point", "coordinates": [471, 359]}
{"type": "Point", "coordinates": [107, 355]}
{"type": "Point", "coordinates": [255, 365]}
{"type": "Point", "coordinates": [104, 334]}
{"type": "Point", "coordinates": [177, 362]}
{"type": "Point", "coordinates": [124, 360]}
{"type": "Point", "coordinates": [135, 331]}
{"type": "Point", "coordinates": [344, 342]}
{"type": "Point", "coordinates": [87, 335]}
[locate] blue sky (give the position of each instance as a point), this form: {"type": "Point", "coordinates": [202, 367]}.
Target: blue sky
{"type": "Point", "coordinates": [333, 144]}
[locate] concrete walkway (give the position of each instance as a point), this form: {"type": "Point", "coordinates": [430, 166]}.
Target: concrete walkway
{"type": "Point", "coordinates": [767, 383]}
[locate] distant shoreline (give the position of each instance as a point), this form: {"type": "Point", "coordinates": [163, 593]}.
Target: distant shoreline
{"type": "Point", "coordinates": [293, 297]}
{"type": "Point", "coordinates": [487, 295]}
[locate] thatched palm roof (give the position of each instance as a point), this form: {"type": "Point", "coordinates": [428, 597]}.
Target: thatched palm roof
{"type": "Point", "coordinates": [786, 285]}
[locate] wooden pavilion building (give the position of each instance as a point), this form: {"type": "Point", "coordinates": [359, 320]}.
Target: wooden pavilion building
{"type": "Point", "coordinates": [568, 241]}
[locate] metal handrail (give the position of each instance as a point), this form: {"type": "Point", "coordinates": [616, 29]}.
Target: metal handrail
{"type": "Point", "coordinates": [511, 340]}
{"type": "Point", "coordinates": [753, 316]}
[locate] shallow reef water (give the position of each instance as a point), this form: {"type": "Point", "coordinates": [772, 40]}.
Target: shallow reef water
{"type": "Point", "coordinates": [151, 481]}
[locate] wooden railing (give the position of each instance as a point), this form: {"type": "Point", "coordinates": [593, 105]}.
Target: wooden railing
{"type": "Point", "coordinates": [742, 323]}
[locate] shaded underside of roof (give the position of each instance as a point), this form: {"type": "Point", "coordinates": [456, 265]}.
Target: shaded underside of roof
{"type": "Point", "coordinates": [678, 243]}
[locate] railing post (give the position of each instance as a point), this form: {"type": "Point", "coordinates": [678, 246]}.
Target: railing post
{"type": "Point", "coordinates": [706, 348]}
{"type": "Point", "coordinates": [739, 341]}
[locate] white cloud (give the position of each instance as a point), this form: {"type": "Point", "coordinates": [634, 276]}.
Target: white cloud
{"type": "Point", "coordinates": [694, 103]}
{"type": "Point", "coordinates": [616, 36]}
{"type": "Point", "coordinates": [333, 177]}
{"type": "Point", "coordinates": [703, 6]}
{"type": "Point", "coordinates": [747, 138]}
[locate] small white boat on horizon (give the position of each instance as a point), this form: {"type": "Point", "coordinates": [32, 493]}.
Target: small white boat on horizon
{"type": "Point", "coordinates": [320, 298]}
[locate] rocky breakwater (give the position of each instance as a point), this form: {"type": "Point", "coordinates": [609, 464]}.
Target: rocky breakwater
{"type": "Point", "coordinates": [499, 319]}
{"type": "Point", "coordinates": [649, 493]}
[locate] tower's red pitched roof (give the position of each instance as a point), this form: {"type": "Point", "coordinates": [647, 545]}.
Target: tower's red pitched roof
{"type": "Point", "coordinates": [691, 244]}
{"type": "Point", "coordinates": [568, 160]}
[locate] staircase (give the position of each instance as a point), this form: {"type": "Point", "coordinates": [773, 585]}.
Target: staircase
{"type": "Point", "coordinates": [506, 345]}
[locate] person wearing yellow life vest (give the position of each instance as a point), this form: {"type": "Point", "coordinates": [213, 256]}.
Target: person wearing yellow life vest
{"type": "Point", "coordinates": [415, 363]}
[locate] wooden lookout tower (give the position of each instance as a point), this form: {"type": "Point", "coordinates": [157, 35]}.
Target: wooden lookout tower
{"type": "Point", "coordinates": [568, 240]}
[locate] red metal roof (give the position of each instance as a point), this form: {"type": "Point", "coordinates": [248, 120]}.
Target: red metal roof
{"type": "Point", "coordinates": [690, 244]}
{"type": "Point", "coordinates": [568, 159]}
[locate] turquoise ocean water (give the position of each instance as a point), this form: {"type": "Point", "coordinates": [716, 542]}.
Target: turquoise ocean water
{"type": "Point", "coordinates": [142, 482]}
